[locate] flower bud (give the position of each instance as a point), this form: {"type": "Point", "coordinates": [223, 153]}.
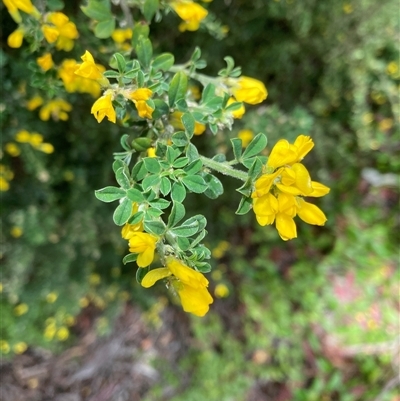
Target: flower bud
{"type": "Point", "coordinates": [141, 144]}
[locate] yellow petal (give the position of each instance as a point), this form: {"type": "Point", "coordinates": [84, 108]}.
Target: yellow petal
{"type": "Point", "coordinates": [303, 145]}
{"type": "Point", "coordinates": [303, 179]}
{"type": "Point", "coordinates": [286, 226]}
{"type": "Point", "coordinates": [318, 189]}
{"type": "Point", "coordinates": [195, 301]}
{"type": "Point", "coordinates": [154, 275]}
{"type": "Point", "coordinates": [310, 213]}
{"type": "Point", "coordinates": [281, 154]}
{"type": "Point", "coordinates": [15, 39]}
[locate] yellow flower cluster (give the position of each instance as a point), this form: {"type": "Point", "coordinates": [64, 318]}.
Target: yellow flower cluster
{"type": "Point", "coordinates": [6, 175]}
{"type": "Point", "coordinates": [51, 331]}
{"type": "Point", "coordinates": [190, 285]}
{"type": "Point", "coordinates": [26, 6]}
{"type": "Point", "coordinates": [35, 140]}
{"type": "Point", "coordinates": [57, 109]}
{"type": "Point", "coordinates": [122, 37]}
{"type": "Point", "coordinates": [75, 83]}
{"type": "Point", "coordinates": [58, 28]}
{"type": "Point", "coordinates": [191, 14]}
{"type": "Point", "coordinates": [139, 97]}
{"type": "Point", "coordinates": [278, 194]}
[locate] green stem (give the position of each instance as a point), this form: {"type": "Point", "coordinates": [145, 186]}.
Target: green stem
{"type": "Point", "coordinates": [203, 79]}
{"type": "Point", "coordinates": [224, 168]}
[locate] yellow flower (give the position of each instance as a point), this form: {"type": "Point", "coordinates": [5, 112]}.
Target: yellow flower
{"type": "Point", "coordinates": [57, 109]}
{"type": "Point", "coordinates": [246, 135]}
{"type": "Point", "coordinates": [151, 152]}
{"type": "Point", "coordinates": [20, 347]}
{"type": "Point", "coordinates": [33, 104]}
{"type": "Point", "coordinates": [249, 90]}
{"type": "Point", "coordinates": [47, 148]}
{"type": "Point", "coordinates": [139, 97]}
{"type": "Point", "coordinates": [62, 333]}
{"type": "Point", "coordinates": [14, 6]}
{"type": "Point", "coordinates": [12, 149]}
{"type": "Point", "coordinates": [145, 245]}
{"type": "Point", "coordinates": [277, 195]}
{"type": "Point", "coordinates": [121, 35]}
{"type": "Point", "coordinates": [49, 332]}
{"type": "Point", "coordinates": [190, 285]}
{"type": "Point", "coordinates": [76, 83]}
{"type": "Point", "coordinates": [21, 309]}
{"type": "Point", "coordinates": [4, 347]}
{"type": "Point", "coordinates": [51, 297]}
{"type": "Point", "coordinates": [35, 139]}
{"type": "Point", "coordinates": [16, 232]}
{"type": "Point", "coordinates": [191, 13]}
{"type": "Point", "coordinates": [4, 185]}
{"type": "Point", "coordinates": [15, 39]}
{"type": "Point", "coordinates": [347, 8]}
{"type": "Point", "coordinates": [103, 107]}
{"type": "Point", "coordinates": [221, 291]}
{"type": "Point", "coordinates": [239, 112]}
{"type": "Point", "coordinates": [88, 69]}
{"type": "Point", "coordinates": [59, 28]}
{"type": "Point", "coordinates": [94, 279]}
{"type": "Point", "coordinates": [45, 62]}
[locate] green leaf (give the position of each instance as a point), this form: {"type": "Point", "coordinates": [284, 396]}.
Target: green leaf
{"type": "Point", "coordinates": [178, 192]}
{"type": "Point", "coordinates": [208, 93]}
{"type": "Point", "coordinates": [122, 177]}
{"type": "Point", "coordinates": [244, 206]}
{"type": "Point", "coordinates": [163, 62]}
{"type": "Point", "coordinates": [144, 51]}
{"type": "Point", "coordinates": [153, 213]}
{"type": "Point", "coordinates": [203, 267]}
{"type": "Point", "coordinates": [179, 138]}
{"type": "Point", "coordinates": [123, 142]}
{"type": "Point", "coordinates": [123, 212]}
{"type": "Point", "coordinates": [134, 195]}
{"type": "Point", "coordinates": [150, 8]}
{"type": "Point", "coordinates": [234, 106]}
{"type": "Point", "coordinates": [186, 230]}
{"type": "Point", "coordinates": [201, 220]}
{"type": "Point", "coordinates": [140, 273]}
{"type": "Point", "coordinates": [104, 29]}
{"type": "Point", "coordinates": [245, 189]}
{"type": "Point", "coordinates": [141, 29]}
{"type": "Point", "coordinates": [55, 5]}
{"type": "Point", "coordinates": [180, 162]}
{"type": "Point", "coordinates": [199, 238]}
{"type": "Point", "coordinates": [117, 165]}
{"type": "Point", "coordinates": [237, 148]}
{"type": "Point", "coordinates": [177, 214]}
{"type": "Point", "coordinates": [194, 167]}
{"type": "Point", "coordinates": [215, 187]}
{"type": "Point", "coordinates": [189, 123]}
{"type": "Point", "coordinates": [165, 186]}
{"type": "Point", "coordinates": [136, 218]}
{"type": "Point", "coordinates": [177, 87]}
{"type": "Point", "coordinates": [121, 63]}
{"type": "Point", "coordinates": [172, 154]}
{"type": "Point", "coordinates": [109, 194]}
{"type": "Point", "coordinates": [195, 183]}
{"type": "Point", "coordinates": [111, 74]}
{"type": "Point", "coordinates": [151, 181]}
{"type": "Point", "coordinates": [97, 10]}
{"type": "Point", "coordinates": [131, 257]}
{"type": "Point", "coordinates": [192, 153]}
{"type": "Point", "coordinates": [255, 169]}
{"type": "Point", "coordinates": [160, 203]}
{"type": "Point", "coordinates": [139, 171]}
{"type": "Point", "coordinates": [154, 227]}
{"type": "Point", "coordinates": [183, 243]}
{"type": "Point", "coordinates": [152, 165]}
{"type": "Point", "coordinates": [255, 146]}
{"type": "Point", "coordinates": [196, 54]}
{"type": "Point", "coordinates": [161, 109]}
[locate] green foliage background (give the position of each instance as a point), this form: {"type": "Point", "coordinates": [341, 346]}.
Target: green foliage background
{"type": "Point", "coordinates": [326, 67]}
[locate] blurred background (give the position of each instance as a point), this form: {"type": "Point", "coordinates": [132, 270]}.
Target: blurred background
{"type": "Point", "coordinates": [312, 319]}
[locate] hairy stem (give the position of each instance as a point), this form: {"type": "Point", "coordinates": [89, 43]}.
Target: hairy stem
{"type": "Point", "coordinates": [224, 168]}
